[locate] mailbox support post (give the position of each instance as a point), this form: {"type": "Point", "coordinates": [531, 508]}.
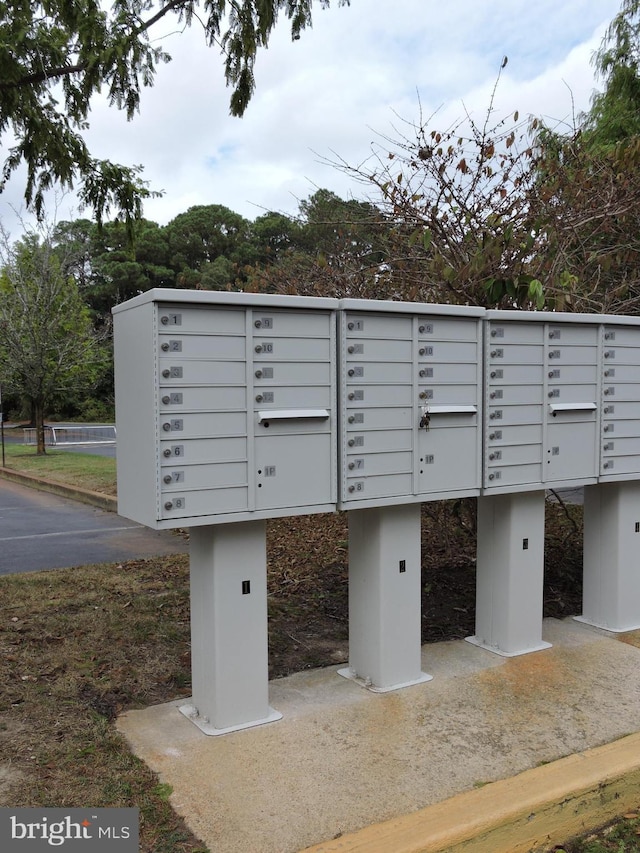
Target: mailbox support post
{"type": "Point", "coordinates": [611, 573]}
{"type": "Point", "coordinates": [510, 573]}
{"type": "Point", "coordinates": [385, 598]}
{"type": "Point", "coordinates": [229, 646]}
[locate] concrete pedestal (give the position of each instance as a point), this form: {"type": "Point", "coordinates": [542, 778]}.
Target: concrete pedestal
{"type": "Point", "coordinates": [611, 593]}
{"type": "Point", "coordinates": [385, 598]}
{"type": "Point", "coordinates": [510, 573]}
{"type": "Point", "coordinates": [229, 641]}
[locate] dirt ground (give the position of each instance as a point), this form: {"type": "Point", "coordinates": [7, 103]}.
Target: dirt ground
{"type": "Point", "coordinates": [308, 580]}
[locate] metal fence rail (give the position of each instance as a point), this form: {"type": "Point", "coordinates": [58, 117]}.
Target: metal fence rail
{"type": "Point", "coordinates": [76, 434]}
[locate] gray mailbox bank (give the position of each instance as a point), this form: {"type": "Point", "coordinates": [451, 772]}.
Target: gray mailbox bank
{"type": "Point", "coordinates": [236, 407]}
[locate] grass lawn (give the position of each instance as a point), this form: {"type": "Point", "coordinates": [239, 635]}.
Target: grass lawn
{"type": "Point", "coordinates": [97, 473]}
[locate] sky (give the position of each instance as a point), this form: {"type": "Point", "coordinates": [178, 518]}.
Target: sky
{"type": "Point", "coordinates": [360, 74]}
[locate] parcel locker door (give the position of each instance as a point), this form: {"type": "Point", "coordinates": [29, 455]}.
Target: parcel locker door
{"type": "Point", "coordinates": [293, 470]}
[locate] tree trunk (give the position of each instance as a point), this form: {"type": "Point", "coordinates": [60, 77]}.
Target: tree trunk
{"type": "Point", "coordinates": [38, 415]}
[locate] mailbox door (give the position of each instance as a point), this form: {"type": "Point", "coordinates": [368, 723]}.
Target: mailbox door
{"type": "Point", "coordinates": [620, 426]}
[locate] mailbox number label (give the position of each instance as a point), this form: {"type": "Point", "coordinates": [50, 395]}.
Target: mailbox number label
{"type": "Point", "coordinates": [269, 470]}
{"type": "Point", "coordinates": [264, 323]}
{"type": "Point", "coordinates": [179, 503]}
{"type": "Point", "coordinates": [177, 449]}
{"type": "Point", "coordinates": [175, 372]}
{"type": "Point", "coordinates": [177, 425]}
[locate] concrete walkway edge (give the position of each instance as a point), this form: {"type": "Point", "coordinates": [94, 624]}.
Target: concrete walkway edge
{"type": "Point", "coordinates": [533, 811]}
{"type": "Point", "coordinates": [75, 493]}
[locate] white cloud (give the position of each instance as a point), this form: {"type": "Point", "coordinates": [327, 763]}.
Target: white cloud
{"type": "Point", "coordinates": [334, 89]}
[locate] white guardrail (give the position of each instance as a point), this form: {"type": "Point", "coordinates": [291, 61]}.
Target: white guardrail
{"type": "Point", "coordinates": [75, 434]}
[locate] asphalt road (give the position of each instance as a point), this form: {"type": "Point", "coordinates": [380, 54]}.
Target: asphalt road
{"type": "Point", "coordinates": [42, 531]}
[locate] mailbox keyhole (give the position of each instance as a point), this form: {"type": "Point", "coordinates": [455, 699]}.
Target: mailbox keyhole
{"type": "Point", "coordinates": [246, 587]}
{"type": "Point", "coordinates": [402, 566]}
{"type": "Point", "coordinates": [525, 544]}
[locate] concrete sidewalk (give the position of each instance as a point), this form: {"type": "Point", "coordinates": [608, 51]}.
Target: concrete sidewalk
{"type": "Point", "coordinates": [343, 758]}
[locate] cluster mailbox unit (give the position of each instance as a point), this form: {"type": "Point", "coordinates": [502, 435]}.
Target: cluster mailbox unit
{"type": "Point", "coordinates": [235, 407]}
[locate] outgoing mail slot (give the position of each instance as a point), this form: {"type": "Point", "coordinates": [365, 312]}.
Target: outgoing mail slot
{"type": "Point", "coordinates": [572, 412]}
{"type": "Point", "coordinates": [175, 319]}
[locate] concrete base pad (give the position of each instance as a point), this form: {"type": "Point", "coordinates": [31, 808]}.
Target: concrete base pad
{"type": "Point", "coordinates": [417, 768]}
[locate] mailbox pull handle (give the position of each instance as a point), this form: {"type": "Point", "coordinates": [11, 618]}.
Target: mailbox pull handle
{"type": "Point", "coordinates": [292, 415]}
{"type": "Point", "coordinates": [453, 410]}
{"type": "Point", "coordinates": [554, 408]}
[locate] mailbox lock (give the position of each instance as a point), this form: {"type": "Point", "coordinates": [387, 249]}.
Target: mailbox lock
{"type": "Point", "coordinates": [352, 488]}
{"type": "Point", "coordinates": [494, 353]}
{"type": "Point", "coordinates": [492, 456]}
{"type": "Point", "coordinates": [167, 478]}
{"type": "Point", "coordinates": [491, 476]}
{"type": "Point", "coordinates": [258, 324]}
{"type": "Point", "coordinates": [351, 372]}
{"type": "Point", "coordinates": [164, 320]}
{"type": "Point", "coordinates": [606, 465]}
{"type": "Point", "coordinates": [608, 353]}
{"type": "Point", "coordinates": [607, 410]}
{"type": "Point", "coordinates": [166, 399]}
{"type": "Point", "coordinates": [258, 374]}
{"type": "Point", "coordinates": [259, 398]}
{"type": "Point", "coordinates": [493, 374]}
{"type": "Point", "coordinates": [350, 326]}
{"type": "Point", "coordinates": [422, 351]}
{"type": "Point", "coordinates": [168, 505]}
{"type": "Point", "coordinates": [167, 452]}
{"type": "Point", "coordinates": [606, 427]}
{"type": "Point", "coordinates": [351, 349]}
{"type": "Point", "coordinates": [423, 395]}
{"type": "Point", "coordinates": [258, 348]}
{"type": "Point", "coordinates": [492, 395]}
{"type": "Point", "coordinates": [552, 354]}
{"type": "Point", "coordinates": [352, 465]}
{"type": "Point", "coordinates": [166, 373]}
{"type": "Point", "coordinates": [351, 442]}
{"type": "Point", "coordinates": [166, 427]}
{"type": "Point", "coordinates": [352, 420]}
